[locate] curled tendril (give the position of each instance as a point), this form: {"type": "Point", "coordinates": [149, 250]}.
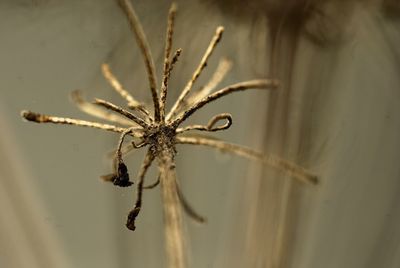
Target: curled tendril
{"type": "Point", "coordinates": [211, 126]}
{"type": "Point", "coordinates": [217, 118]}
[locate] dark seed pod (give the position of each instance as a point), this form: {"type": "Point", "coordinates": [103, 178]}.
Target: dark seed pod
{"type": "Point", "coordinates": [122, 177]}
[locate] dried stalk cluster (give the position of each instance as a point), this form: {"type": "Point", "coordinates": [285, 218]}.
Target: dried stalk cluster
{"type": "Point", "coordinates": [161, 131]}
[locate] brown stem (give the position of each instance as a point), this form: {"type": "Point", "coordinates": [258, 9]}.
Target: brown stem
{"type": "Point", "coordinates": [210, 127]}
{"type": "Point", "coordinates": [252, 84]}
{"type": "Point", "coordinates": [141, 40]}
{"type": "Point", "coordinates": [93, 110]}
{"type": "Point", "coordinates": [130, 224]}
{"type": "Point", "coordinates": [127, 114]}
{"type": "Point", "coordinates": [42, 118]}
{"type": "Point", "coordinates": [168, 45]}
{"type": "Point", "coordinates": [203, 63]}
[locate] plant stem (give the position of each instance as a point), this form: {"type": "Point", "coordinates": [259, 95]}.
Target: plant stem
{"type": "Point", "coordinates": [174, 236]}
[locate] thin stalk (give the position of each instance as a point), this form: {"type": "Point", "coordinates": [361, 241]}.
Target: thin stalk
{"type": "Point", "coordinates": [42, 118]}
{"type": "Point", "coordinates": [94, 110]}
{"type": "Point", "coordinates": [141, 40]}
{"type": "Point", "coordinates": [203, 63]}
{"type": "Point", "coordinates": [173, 222]}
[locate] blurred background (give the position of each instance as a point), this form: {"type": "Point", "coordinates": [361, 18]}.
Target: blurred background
{"type": "Point", "coordinates": [336, 114]}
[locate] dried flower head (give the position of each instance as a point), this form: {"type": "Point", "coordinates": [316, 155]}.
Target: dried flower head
{"type": "Point", "coordinates": [160, 131]}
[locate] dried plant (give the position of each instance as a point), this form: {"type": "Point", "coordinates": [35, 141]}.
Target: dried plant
{"type": "Point", "coordinates": [160, 132]}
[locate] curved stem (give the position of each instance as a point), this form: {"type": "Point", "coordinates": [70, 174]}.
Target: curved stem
{"type": "Point", "coordinates": [290, 168]}
{"type": "Point", "coordinates": [130, 224]}
{"type": "Point", "coordinates": [252, 84]}
{"type": "Point", "coordinates": [210, 127]}
{"type": "Point", "coordinates": [127, 114]}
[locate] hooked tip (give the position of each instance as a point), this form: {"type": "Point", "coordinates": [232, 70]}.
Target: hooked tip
{"type": "Point", "coordinates": [130, 223]}
{"type": "Point", "coordinates": [220, 29]}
